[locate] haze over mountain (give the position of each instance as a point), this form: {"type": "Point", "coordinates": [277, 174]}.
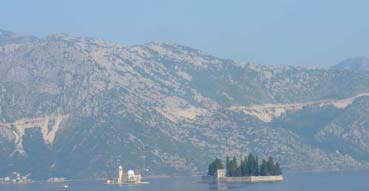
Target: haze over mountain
{"type": "Point", "coordinates": [78, 107]}
{"type": "Point", "coordinates": [354, 64]}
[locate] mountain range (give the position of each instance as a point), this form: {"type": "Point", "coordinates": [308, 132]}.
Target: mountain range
{"type": "Point", "coordinates": [79, 107]}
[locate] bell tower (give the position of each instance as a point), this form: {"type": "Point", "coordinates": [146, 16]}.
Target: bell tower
{"type": "Point", "coordinates": [120, 175]}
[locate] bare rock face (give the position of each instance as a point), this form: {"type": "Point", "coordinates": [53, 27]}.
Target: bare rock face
{"type": "Point", "coordinates": [80, 107]}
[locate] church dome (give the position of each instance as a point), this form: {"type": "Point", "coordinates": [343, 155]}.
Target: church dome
{"type": "Point", "coordinates": [131, 173]}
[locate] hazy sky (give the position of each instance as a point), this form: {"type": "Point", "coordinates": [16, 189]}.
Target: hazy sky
{"type": "Point", "coordinates": [305, 32]}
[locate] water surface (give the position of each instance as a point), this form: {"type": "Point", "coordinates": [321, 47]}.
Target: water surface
{"type": "Point", "coordinates": [336, 181]}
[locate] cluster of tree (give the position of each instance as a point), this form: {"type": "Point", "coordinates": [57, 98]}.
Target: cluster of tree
{"type": "Point", "coordinates": [249, 166]}
{"type": "Point", "coordinates": [214, 166]}
{"type": "Point", "coordinates": [268, 168]}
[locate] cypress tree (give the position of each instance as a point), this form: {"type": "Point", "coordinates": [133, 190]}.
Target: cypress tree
{"type": "Point", "coordinates": [233, 167]}
{"type": "Point", "coordinates": [262, 168]}
{"type": "Point", "coordinates": [228, 170]}
{"type": "Point", "coordinates": [211, 171]}
{"type": "Point", "coordinates": [271, 168]}
{"type": "Point", "coordinates": [257, 173]}
{"type": "Point", "coordinates": [278, 169]}
{"type": "Point", "coordinates": [264, 171]}
{"type": "Point", "coordinates": [241, 167]}
{"type": "Point", "coordinates": [239, 171]}
{"type": "Point", "coordinates": [244, 167]}
{"type": "Point", "coordinates": [219, 164]}
{"type": "Point", "coordinates": [250, 164]}
{"type": "Point", "coordinates": [247, 170]}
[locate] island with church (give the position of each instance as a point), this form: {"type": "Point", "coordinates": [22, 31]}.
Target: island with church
{"type": "Point", "coordinates": [250, 169]}
{"type": "Point", "coordinates": [128, 178]}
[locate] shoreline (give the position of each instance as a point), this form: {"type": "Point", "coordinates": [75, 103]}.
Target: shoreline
{"type": "Point", "coordinates": [288, 172]}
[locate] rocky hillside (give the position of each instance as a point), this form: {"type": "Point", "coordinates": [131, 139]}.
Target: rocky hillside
{"type": "Point", "coordinates": [79, 107]}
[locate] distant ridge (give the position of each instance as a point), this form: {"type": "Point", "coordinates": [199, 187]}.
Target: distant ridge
{"type": "Point", "coordinates": [7, 37]}
{"type": "Point", "coordinates": [354, 64]}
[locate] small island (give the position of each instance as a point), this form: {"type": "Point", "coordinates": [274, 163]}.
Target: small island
{"type": "Point", "coordinates": [16, 178]}
{"type": "Point", "coordinates": [248, 169]}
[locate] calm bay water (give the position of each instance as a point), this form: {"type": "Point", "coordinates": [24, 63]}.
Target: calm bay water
{"type": "Point", "coordinates": [336, 181]}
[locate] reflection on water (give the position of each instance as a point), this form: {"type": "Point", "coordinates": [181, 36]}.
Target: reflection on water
{"type": "Point", "coordinates": [338, 181]}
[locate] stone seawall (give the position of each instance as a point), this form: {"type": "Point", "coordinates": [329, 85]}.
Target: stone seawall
{"type": "Point", "coordinates": [249, 179]}
{"type": "Point", "coordinates": [266, 178]}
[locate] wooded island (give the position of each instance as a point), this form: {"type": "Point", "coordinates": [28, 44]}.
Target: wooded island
{"type": "Point", "coordinates": [249, 166]}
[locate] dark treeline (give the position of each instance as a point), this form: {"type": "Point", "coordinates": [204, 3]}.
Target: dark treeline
{"type": "Point", "coordinates": [249, 166]}
{"type": "Point", "coordinates": [216, 164]}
